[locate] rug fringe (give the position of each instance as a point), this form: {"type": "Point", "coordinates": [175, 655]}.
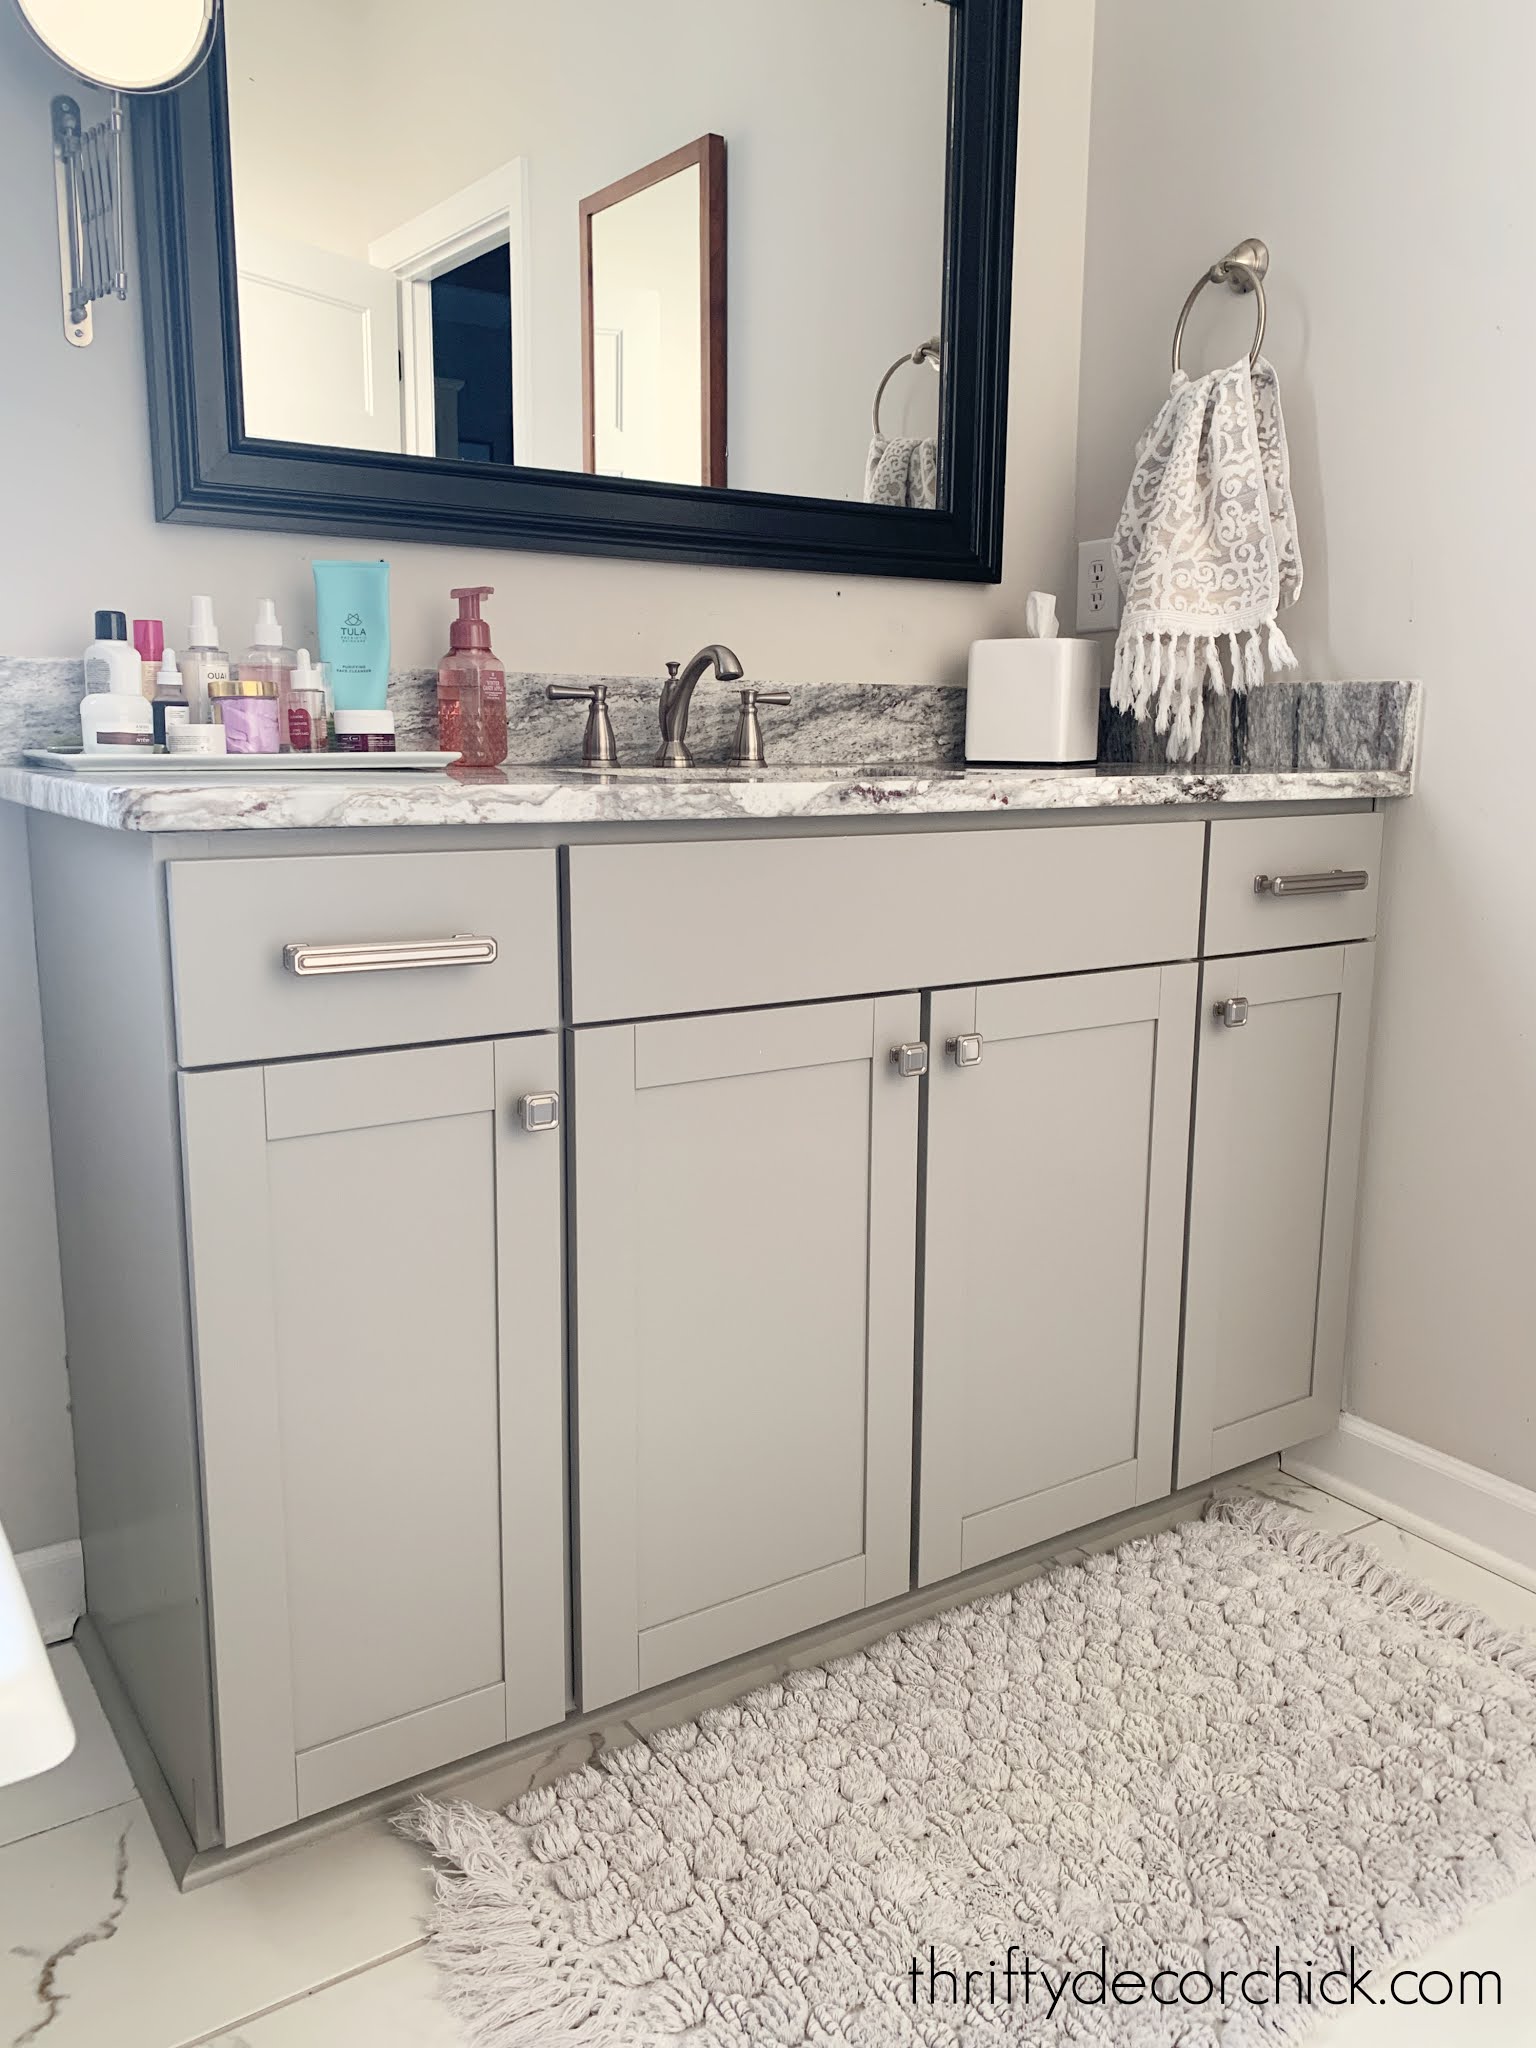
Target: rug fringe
{"type": "Point", "coordinates": [1356, 1565]}
{"type": "Point", "coordinates": [515, 1980]}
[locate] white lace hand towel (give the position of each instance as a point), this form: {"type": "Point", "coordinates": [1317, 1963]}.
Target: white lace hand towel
{"type": "Point", "coordinates": [1206, 550]}
{"type": "Point", "coordinates": [902, 471]}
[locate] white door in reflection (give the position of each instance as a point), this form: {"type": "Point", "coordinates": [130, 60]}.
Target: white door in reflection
{"type": "Point", "coordinates": [647, 326]}
{"type": "Point", "coordinates": [319, 346]}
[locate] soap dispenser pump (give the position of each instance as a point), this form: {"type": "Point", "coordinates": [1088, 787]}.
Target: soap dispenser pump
{"type": "Point", "coordinates": [472, 687]}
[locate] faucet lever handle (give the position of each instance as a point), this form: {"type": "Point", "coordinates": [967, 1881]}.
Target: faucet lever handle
{"type": "Point", "coordinates": [747, 751]}
{"type": "Point", "coordinates": [599, 749]}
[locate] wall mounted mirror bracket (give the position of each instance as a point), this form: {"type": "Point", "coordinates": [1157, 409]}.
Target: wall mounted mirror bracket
{"type": "Point", "coordinates": [148, 47]}
{"type": "Point", "coordinates": [88, 185]}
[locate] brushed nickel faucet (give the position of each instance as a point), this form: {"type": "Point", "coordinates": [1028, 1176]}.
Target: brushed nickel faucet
{"type": "Point", "coordinates": [677, 696]}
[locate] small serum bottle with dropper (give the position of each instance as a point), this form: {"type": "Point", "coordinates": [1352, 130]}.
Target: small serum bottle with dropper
{"type": "Point", "coordinates": [168, 707]}
{"type": "Point", "coordinates": [305, 730]}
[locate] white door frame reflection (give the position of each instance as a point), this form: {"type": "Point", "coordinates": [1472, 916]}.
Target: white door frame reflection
{"type": "Point", "coordinates": [484, 215]}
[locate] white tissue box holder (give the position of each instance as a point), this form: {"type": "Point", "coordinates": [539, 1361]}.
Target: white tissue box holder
{"type": "Point", "coordinates": [1032, 702]}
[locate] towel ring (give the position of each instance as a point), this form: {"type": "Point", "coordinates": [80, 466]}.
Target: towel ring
{"type": "Point", "coordinates": [1242, 269]}
{"type": "Point", "coordinates": [928, 352]}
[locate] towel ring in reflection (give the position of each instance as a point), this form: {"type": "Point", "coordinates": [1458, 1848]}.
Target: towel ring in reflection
{"type": "Point", "coordinates": [1242, 269]}
{"type": "Point", "coordinates": [928, 352]}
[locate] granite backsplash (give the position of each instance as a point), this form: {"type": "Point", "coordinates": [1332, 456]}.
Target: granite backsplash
{"type": "Point", "coordinates": [1284, 725]}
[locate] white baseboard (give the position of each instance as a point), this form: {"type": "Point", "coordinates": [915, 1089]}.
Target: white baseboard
{"type": "Point", "coordinates": [55, 1583]}
{"type": "Point", "coordinates": [1462, 1508]}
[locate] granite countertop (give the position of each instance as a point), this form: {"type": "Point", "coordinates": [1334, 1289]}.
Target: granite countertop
{"type": "Point", "coordinates": [150, 802]}
{"type": "Point", "coordinates": [1291, 742]}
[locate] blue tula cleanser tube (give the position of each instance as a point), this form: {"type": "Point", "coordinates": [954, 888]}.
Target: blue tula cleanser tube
{"type": "Point", "coordinates": [352, 611]}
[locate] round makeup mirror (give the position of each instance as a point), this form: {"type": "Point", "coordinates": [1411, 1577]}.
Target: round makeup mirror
{"type": "Point", "coordinates": [124, 45]}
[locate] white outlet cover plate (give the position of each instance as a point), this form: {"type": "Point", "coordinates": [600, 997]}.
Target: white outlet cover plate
{"type": "Point", "coordinates": [1098, 587]}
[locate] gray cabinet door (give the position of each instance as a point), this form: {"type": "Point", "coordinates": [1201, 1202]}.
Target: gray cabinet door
{"type": "Point", "coordinates": [745, 1243]}
{"type": "Point", "coordinates": [1272, 1203]}
{"type": "Point", "coordinates": [375, 1253]}
{"type": "Point", "coordinates": [1054, 1228]}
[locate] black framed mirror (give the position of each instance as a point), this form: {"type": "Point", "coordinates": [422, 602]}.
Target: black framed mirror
{"type": "Point", "coordinates": [373, 305]}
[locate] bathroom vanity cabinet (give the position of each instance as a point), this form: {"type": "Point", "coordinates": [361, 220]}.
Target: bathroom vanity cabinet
{"type": "Point", "coordinates": [745, 1237]}
{"type": "Point", "coordinates": [1058, 1140]}
{"type": "Point", "coordinates": [1272, 1201]}
{"type": "Point", "coordinates": [711, 1234]}
{"type": "Point", "coordinates": [374, 1255]}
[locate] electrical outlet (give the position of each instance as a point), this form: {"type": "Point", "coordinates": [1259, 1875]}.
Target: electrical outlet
{"type": "Point", "coordinates": [1098, 587]}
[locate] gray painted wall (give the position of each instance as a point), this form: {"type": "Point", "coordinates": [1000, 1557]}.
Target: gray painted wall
{"type": "Point", "coordinates": [1399, 363]}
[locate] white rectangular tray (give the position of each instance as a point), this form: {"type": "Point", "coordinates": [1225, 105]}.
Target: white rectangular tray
{"type": "Point", "coordinates": [135, 763]}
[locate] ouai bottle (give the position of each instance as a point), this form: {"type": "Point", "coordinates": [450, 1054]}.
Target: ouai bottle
{"type": "Point", "coordinates": [203, 660]}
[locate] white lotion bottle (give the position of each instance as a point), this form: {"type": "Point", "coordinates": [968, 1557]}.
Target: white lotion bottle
{"type": "Point", "coordinates": [113, 665]}
{"type": "Point", "coordinates": [114, 712]}
{"type": "Point", "coordinates": [113, 719]}
{"type": "Point", "coordinates": [203, 660]}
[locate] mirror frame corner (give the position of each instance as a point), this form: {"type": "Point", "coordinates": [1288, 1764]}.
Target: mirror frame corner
{"type": "Point", "coordinates": [207, 471]}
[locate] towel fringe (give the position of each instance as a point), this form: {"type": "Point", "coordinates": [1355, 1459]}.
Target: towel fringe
{"type": "Point", "coordinates": [1279, 649]}
{"type": "Point", "coordinates": [1194, 687]}
{"type": "Point", "coordinates": [1180, 746]}
{"type": "Point", "coordinates": [1235, 661]}
{"type": "Point", "coordinates": [1213, 670]}
{"type": "Point", "coordinates": [1162, 677]}
{"type": "Point", "coordinates": [1253, 663]}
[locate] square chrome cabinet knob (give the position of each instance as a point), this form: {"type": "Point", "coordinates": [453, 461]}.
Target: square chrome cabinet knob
{"type": "Point", "coordinates": [540, 1112]}
{"type": "Point", "coordinates": [910, 1061]}
{"type": "Point", "coordinates": [967, 1049]}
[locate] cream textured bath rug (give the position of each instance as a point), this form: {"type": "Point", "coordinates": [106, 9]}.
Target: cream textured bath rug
{"type": "Point", "coordinates": [1238, 1738]}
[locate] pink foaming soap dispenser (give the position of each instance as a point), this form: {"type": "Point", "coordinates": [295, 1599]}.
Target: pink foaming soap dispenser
{"type": "Point", "coordinates": [472, 688]}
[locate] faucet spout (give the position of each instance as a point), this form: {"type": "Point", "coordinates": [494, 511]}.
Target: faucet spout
{"type": "Point", "coordinates": [677, 697]}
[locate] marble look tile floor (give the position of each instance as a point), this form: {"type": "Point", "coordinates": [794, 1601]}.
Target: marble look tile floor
{"type": "Point", "coordinates": [324, 1947]}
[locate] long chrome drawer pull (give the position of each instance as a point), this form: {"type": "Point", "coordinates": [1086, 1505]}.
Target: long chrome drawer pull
{"type": "Point", "coordinates": [1337, 880]}
{"type": "Point", "coordinates": [462, 950]}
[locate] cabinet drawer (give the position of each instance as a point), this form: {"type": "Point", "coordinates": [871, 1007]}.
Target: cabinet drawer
{"type": "Point", "coordinates": [667, 929]}
{"type": "Point", "coordinates": [238, 998]}
{"type": "Point", "coordinates": [1242, 918]}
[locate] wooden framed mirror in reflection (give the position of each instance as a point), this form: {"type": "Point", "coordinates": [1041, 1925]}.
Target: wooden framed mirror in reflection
{"type": "Point", "coordinates": [458, 272]}
{"type": "Point", "coordinates": [654, 353]}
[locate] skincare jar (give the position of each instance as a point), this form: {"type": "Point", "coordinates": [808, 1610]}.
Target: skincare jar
{"type": "Point", "coordinates": [246, 707]}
